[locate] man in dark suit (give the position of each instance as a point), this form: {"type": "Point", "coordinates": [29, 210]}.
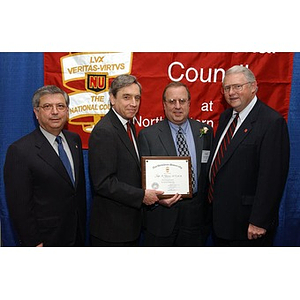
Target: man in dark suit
{"type": "Point", "coordinates": [46, 204]}
{"type": "Point", "coordinates": [114, 164]}
{"type": "Point", "coordinates": [173, 222]}
{"type": "Point", "coordinates": [247, 185]}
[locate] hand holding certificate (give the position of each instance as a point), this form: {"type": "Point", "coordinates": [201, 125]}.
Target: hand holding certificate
{"type": "Point", "coordinates": [168, 202]}
{"type": "Point", "coordinates": [170, 174]}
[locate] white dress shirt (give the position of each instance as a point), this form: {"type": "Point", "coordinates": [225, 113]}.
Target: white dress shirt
{"type": "Point", "coordinates": [51, 139]}
{"type": "Point", "coordinates": [124, 123]}
{"type": "Point", "coordinates": [242, 116]}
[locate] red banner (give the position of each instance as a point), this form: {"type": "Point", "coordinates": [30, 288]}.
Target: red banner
{"type": "Point", "coordinates": [86, 78]}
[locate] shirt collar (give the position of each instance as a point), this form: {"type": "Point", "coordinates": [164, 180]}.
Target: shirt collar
{"type": "Point", "coordinates": [244, 113]}
{"type": "Point", "coordinates": [122, 120]}
{"type": "Point", "coordinates": [51, 137]}
{"type": "Point", "coordinates": [176, 127]}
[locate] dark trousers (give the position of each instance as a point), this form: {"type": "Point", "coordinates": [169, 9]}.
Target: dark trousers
{"type": "Point", "coordinates": [188, 230]}
{"type": "Point", "coordinates": [264, 241]}
{"type": "Point", "coordinates": [180, 237]}
{"type": "Point", "coordinates": [96, 242]}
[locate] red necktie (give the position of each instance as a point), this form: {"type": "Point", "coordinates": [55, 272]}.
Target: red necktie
{"type": "Point", "coordinates": [129, 131]}
{"type": "Point", "coordinates": [220, 154]}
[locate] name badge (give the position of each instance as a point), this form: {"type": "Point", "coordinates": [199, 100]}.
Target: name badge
{"type": "Point", "coordinates": [205, 156]}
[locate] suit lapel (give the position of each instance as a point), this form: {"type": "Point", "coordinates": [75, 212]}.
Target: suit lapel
{"type": "Point", "coordinates": [224, 119]}
{"type": "Point", "coordinates": [223, 123]}
{"type": "Point", "coordinates": [123, 135]}
{"type": "Point", "coordinates": [241, 133]}
{"type": "Point", "coordinates": [48, 154]}
{"type": "Point", "coordinates": [198, 144]}
{"type": "Point", "coordinates": [166, 139]}
{"type": "Point", "coordinates": [75, 154]}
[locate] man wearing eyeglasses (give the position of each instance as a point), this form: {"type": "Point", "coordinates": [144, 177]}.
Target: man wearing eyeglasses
{"type": "Point", "coordinates": [44, 177]}
{"type": "Point", "coordinates": [248, 165]}
{"type": "Point", "coordinates": [177, 221]}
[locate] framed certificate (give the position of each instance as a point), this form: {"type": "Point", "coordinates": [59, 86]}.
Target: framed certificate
{"type": "Point", "coordinates": [170, 174]}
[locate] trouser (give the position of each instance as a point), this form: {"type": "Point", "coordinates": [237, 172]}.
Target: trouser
{"type": "Point", "coordinates": [96, 242]}
{"type": "Point", "coordinates": [264, 241]}
{"type": "Point", "coordinates": [181, 237]}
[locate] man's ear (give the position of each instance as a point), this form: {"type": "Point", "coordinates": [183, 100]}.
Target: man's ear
{"type": "Point", "coordinates": [112, 99]}
{"type": "Point", "coordinates": [254, 87]}
{"type": "Point", "coordinates": [35, 110]}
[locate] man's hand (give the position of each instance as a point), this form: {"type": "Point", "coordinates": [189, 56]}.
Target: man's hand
{"type": "Point", "coordinates": [168, 202]}
{"type": "Point", "coordinates": [151, 196]}
{"type": "Point", "coordinates": [255, 232]}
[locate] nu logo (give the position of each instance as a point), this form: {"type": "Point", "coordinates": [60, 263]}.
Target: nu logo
{"type": "Point", "coordinates": [96, 82]}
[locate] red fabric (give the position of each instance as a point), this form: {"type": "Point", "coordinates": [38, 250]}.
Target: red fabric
{"type": "Point", "coordinates": [129, 131]}
{"type": "Point", "coordinates": [202, 72]}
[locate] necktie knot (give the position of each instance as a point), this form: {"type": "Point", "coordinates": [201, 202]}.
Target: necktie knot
{"type": "Point", "coordinates": [58, 140]}
{"type": "Point", "coordinates": [236, 115]}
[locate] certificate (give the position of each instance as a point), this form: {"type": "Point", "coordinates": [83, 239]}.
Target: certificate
{"type": "Point", "coordinates": [170, 174]}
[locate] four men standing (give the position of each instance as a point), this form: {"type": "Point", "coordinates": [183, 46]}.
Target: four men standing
{"type": "Point", "coordinates": [241, 176]}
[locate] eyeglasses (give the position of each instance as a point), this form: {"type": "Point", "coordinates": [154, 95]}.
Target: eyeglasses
{"type": "Point", "coordinates": [48, 107]}
{"type": "Point", "coordinates": [174, 101]}
{"type": "Point", "coordinates": [234, 87]}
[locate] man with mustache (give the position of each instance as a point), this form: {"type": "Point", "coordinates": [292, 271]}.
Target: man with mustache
{"type": "Point", "coordinates": [176, 221]}
{"type": "Point", "coordinates": [44, 177]}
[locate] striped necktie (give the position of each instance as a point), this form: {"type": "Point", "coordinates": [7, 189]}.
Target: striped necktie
{"type": "Point", "coordinates": [220, 155]}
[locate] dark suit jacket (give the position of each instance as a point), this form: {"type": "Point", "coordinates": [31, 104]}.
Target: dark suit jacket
{"type": "Point", "coordinates": [43, 203]}
{"type": "Point", "coordinates": [250, 182]}
{"type": "Point", "coordinates": [157, 140]}
{"type": "Point", "coordinates": [116, 176]}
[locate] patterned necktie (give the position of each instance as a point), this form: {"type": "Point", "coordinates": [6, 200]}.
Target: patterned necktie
{"type": "Point", "coordinates": [64, 158]}
{"type": "Point", "coordinates": [183, 150]}
{"type": "Point", "coordinates": [220, 154]}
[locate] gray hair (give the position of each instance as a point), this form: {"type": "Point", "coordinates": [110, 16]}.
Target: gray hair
{"type": "Point", "coordinates": [46, 90]}
{"type": "Point", "coordinates": [240, 69]}
{"type": "Point", "coordinates": [123, 81]}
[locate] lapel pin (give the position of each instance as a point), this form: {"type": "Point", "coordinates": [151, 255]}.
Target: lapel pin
{"type": "Point", "coordinates": [246, 130]}
{"type": "Point", "coordinates": [76, 146]}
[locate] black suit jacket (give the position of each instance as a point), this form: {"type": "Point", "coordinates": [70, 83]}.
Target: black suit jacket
{"type": "Point", "coordinates": [116, 176]}
{"type": "Point", "coordinates": [157, 140]}
{"type": "Point", "coordinates": [250, 182]}
{"type": "Point", "coordinates": [43, 203]}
